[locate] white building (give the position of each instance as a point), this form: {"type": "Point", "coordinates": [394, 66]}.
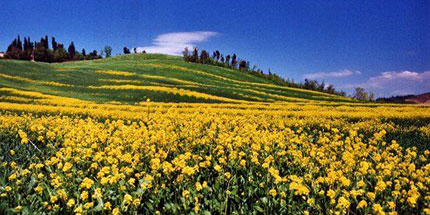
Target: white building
{"type": "Point", "coordinates": [2, 54]}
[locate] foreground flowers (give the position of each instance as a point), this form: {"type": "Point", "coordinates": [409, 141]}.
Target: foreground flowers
{"type": "Point", "coordinates": [192, 160]}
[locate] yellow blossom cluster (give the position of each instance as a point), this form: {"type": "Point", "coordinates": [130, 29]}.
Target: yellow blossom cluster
{"type": "Point", "coordinates": [65, 157]}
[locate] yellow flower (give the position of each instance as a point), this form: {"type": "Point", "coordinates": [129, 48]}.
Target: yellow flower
{"type": "Point", "coordinates": [67, 166]}
{"type": "Point", "coordinates": [185, 193]}
{"type": "Point", "coordinates": [12, 177]}
{"type": "Point", "coordinates": [371, 195]}
{"type": "Point", "coordinates": [107, 206]}
{"type": "Point", "coordinates": [362, 204]}
{"type": "Point", "coordinates": [272, 192]}
{"type": "Point", "coordinates": [38, 189]}
{"type": "Point", "coordinates": [84, 195]}
{"type": "Point", "coordinates": [88, 205]}
{"type": "Point", "coordinates": [70, 203]}
{"type": "Point", "coordinates": [78, 210]}
{"type": "Point", "coordinates": [217, 168]}
{"type": "Point", "coordinates": [128, 198]}
{"type": "Point", "coordinates": [87, 183]}
{"type": "Point", "coordinates": [227, 175]}
{"type": "Point", "coordinates": [136, 202]}
{"type": "Point", "coordinates": [198, 186]}
{"type": "Point", "coordinates": [380, 186]}
{"type": "Point", "coordinates": [392, 205]}
{"type": "Point", "coordinates": [343, 203]}
{"type": "Point", "coordinates": [116, 211]}
{"type": "Point", "coordinates": [378, 209]}
{"type": "Point", "coordinates": [53, 199]}
{"type": "Point", "coordinates": [243, 162]}
{"type": "Point", "coordinates": [331, 194]}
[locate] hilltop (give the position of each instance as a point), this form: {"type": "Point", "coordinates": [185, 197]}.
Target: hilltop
{"type": "Point", "coordinates": [134, 78]}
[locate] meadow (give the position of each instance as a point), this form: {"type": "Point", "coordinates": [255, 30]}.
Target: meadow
{"type": "Point", "coordinates": [149, 134]}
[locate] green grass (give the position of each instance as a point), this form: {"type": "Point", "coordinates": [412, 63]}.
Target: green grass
{"type": "Point", "coordinates": [148, 70]}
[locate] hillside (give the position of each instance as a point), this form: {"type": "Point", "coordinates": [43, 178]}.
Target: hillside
{"type": "Point", "coordinates": [415, 99]}
{"type": "Point", "coordinates": [134, 78]}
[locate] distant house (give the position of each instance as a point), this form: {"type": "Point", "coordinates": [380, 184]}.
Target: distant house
{"type": "Point", "coordinates": [2, 54]}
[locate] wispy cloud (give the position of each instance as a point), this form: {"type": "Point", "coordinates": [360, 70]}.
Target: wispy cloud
{"type": "Point", "coordinates": [396, 83]}
{"type": "Point", "coordinates": [174, 43]}
{"type": "Point", "coordinates": [403, 78]}
{"type": "Point", "coordinates": [338, 74]}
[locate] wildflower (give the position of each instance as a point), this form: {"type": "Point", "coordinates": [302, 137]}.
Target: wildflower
{"type": "Point", "coordinates": [198, 186]}
{"type": "Point", "coordinates": [128, 198]}
{"type": "Point", "coordinates": [378, 209]}
{"type": "Point", "coordinates": [217, 168]}
{"type": "Point", "coordinates": [272, 192]}
{"type": "Point", "coordinates": [87, 183]}
{"type": "Point", "coordinates": [116, 211]}
{"type": "Point", "coordinates": [185, 193]}
{"type": "Point", "coordinates": [227, 175]}
{"type": "Point", "coordinates": [362, 204]}
{"type": "Point", "coordinates": [70, 203]}
{"type": "Point", "coordinates": [67, 166]}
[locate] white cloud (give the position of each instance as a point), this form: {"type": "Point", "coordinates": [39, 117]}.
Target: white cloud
{"type": "Point", "coordinates": [396, 83]}
{"type": "Point", "coordinates": [338, 74]}
{"type": "Point", "coordinates": [174, 43]}
{"type": "Point", "coordinates": [399, 79]}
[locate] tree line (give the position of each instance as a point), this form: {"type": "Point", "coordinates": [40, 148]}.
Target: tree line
{"type": "Point", "coordinates": [41, 51]}
{"type": "Point", "coordinates": [235, 63]}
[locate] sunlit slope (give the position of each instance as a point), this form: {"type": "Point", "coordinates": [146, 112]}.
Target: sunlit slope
{"type": "Point", "coordinates": [135, 78]}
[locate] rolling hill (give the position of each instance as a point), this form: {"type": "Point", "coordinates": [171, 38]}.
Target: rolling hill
{"type": "Point", "coordinates": [413, 99]}
{"type": "Point", "coordinates": [134, 78]}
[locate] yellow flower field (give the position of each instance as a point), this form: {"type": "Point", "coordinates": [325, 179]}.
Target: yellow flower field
{"type": "Point", "coordinates": [66, 156]}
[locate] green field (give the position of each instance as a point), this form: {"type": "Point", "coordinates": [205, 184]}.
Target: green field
{"type": "Point", "coordinates": [129, 79]}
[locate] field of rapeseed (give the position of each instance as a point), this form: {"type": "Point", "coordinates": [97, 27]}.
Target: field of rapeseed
{"type": "Point", "coordinates": [67, 156]}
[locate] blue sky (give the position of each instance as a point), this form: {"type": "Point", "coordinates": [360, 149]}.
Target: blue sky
{"type": "Point", "coordinates": [383, 46]}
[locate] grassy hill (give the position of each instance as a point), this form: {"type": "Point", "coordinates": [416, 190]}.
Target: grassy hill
{"type": "Point", "coordinates": [137, 77]}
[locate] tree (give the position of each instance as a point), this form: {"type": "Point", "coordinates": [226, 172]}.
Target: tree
{"type": "Point", "coordinates": [135, 50]}
{"type": "Point", "coordinates": [186, 54]}
{"type": "Point", "coordinates": [54, 44]}
{"type": "Point", "coordinates": [60, 55]}
{"type": "Point", "coordinates": [234, 61]}
{"type": "Point", "coordinates": [227, 60]}
{"type": "Point", "coordinates": [217, 54]}
{"type": "Point", "coordinates": [204, 57]}
{"type": "Point", "coordinates": [330, 89]}
{"type": "Point", "coordinates": [360, 94]}
{"type": "Point", "coordinates": [19, 44]}
{"type": "Point", "coordinates": [195, 55]}
{"type": "Point", "coordinates": [93, 54]}
{"type": "Point", "coordinates": [371, 96]}
{"type": "Point", "coordinates": [310, 84]}
{"type": "Point", "coordinates": [242, 66]}
{"type": "Point", "coordinates": [84, 53]}
{"type": "Point", "coordinates": [71, 50]}
{"type": "Point", "coordinates": [46, 43]}
{"type": "Point", "coordinates": [321, 87]}
{"type": "Point", "coordinates": [126, 50]}
{"type": "Point", "coordinates": [108, 51]}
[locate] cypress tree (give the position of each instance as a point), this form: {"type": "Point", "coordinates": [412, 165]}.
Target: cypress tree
{"type": "Point", "coordinates": [54, 44]}
{"type": "Point", "coordinates": [71, 50]}
{"type": "Point", "coordinates": [19, 44]}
